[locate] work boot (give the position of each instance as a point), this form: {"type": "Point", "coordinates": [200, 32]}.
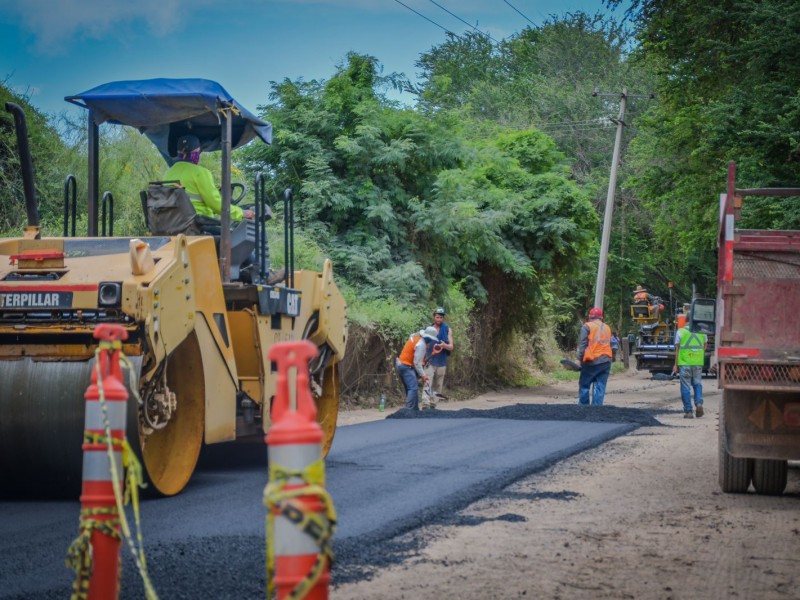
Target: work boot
{"type": "Point", "coordinates": [276, 276]}
{"type": "Point", "coordinates": [699, 410]}
{"type": "Point", "coordinates": [688, 415]}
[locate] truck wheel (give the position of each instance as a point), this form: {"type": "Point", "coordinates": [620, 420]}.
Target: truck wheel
{"type": "Point", "coordinates": [734, 473]}
{"type": "Point", "coordinates": [769, 476]}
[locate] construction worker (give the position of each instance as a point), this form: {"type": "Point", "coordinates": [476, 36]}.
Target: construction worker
{"type": "Point", "coordinates": [594, 354]}
{"type": "Point", "coordinates": [438, 352]}
{"type": "Point", "coordinates": [410, 364]}
{"type": "Point", "coordinates": [690, 354]}
{"type": "Point", "coordinates": [199, 182]}
{"type": "Point", "coordinates": [640, 296]}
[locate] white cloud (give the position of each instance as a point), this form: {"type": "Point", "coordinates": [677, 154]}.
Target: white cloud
{"type": "Point", "coordinates": [55, 23]}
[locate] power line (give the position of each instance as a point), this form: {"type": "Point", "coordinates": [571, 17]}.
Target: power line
{"type": "Point", "coordinates": [523, 16]}
{"type": "Point", "coordinates": [427, 19]}
{"type": "Point", "coordinates": [464, 22]}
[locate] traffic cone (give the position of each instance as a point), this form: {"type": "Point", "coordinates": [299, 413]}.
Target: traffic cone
{"type": "Point", "coordinates": [95, 554]}
{"type": "Point", "coordinates": [300, 517]}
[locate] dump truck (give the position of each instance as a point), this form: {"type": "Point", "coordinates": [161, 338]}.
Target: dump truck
{"type": "Point", "coordinates": [758, 347]}
{"type": "Point", "coordinates": [200, 311]}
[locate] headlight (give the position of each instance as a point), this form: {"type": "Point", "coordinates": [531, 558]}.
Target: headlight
{"type": "Point", "coordinates": [109, 294]}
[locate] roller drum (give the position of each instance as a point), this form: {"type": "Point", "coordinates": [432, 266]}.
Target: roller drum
{"type": "Point", "coordinates": [41, 425]}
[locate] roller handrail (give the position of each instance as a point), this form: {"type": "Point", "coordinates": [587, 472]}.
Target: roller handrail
{"type": "Point", "coordinates": [26, 163]}
{"type": "Point", "coordinates": [108, 200]}
{"type": "Point", "coordinates": [70, 193]}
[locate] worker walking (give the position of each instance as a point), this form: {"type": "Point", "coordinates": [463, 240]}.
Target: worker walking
{"type": "Point", "coordinates": [410, 364]}
{"type": "Point", "coordinates": [690, 354]}
{"type": "Point", "coordinates": [594, 354]}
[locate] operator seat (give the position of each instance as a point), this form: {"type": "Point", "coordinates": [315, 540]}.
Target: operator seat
{"type": "Point", "coordinates": [169, 211]}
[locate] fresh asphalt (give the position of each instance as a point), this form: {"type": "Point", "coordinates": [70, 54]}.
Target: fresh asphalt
{"type": "Point", "coordinates": [386, 478]}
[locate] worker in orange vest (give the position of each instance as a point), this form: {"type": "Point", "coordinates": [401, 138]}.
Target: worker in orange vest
{"type": "Point", "coordinates": [410, 364]}
{"type": "Point", "coordinates": [594, 354]}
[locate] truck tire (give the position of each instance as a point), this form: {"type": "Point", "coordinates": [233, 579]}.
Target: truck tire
{"type": "Point", "coordinates": [734, 473]}
{"type": "Point", "coordinates": [769, 476]}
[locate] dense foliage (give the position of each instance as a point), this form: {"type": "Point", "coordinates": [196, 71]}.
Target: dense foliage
{"type": "Point", "coordinates": [51, 161]}
{"type": "Point", "coordinates": [729, 89]}
{"type": "Point", "coordinates": [413, 205]}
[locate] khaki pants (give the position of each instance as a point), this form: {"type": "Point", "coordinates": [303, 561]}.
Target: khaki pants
{"type": "Point", "coordinates": [435, 383]}
{"type": "Point", "coordinates": [427, 393]}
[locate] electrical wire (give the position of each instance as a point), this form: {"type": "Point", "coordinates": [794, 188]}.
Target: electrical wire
{"type": "Point", "coordinates": [523, 16]}
{"type": "Point", "coordinates": [427, 19]}
{"type": "Point", "coordinates": [464, 22]}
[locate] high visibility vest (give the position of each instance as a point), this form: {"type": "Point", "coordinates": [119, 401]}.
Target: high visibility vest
{"type": "Point", "coordinates": [692, 348]}
{"type": "Point", "coordinates": [599, 341]}
{"type": "Point", "coordinates": [407, 354]}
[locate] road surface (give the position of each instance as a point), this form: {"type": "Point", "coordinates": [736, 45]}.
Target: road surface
{"type": "Point", "coordinates": [386, 477]}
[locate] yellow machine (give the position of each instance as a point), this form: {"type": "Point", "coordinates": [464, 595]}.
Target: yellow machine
{"type": "Point", "coordinates": [197, 337]}
{"type": "Point", "coordinates": [655, 344]}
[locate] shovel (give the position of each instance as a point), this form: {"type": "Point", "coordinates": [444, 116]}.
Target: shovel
{"type": "Point", "coordinates": [570, 365]}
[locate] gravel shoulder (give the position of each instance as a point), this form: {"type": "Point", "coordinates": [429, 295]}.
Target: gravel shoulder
{"type": "Point", "coordinates": [638, 517]}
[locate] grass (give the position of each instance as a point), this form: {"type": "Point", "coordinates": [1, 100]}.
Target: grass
{"type": "Point", "coordinates": [564, 375]}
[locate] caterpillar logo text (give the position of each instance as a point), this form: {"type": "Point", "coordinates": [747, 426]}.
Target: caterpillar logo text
{"type": "Point", "coordinates": [22, 300]}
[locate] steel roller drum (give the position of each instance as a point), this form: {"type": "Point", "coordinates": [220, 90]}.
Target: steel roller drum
{"type": "Point", "coordinates": [41, 425]}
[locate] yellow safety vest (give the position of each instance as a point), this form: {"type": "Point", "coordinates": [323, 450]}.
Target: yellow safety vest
{"type": "Point", "coordinates": [691, 352]}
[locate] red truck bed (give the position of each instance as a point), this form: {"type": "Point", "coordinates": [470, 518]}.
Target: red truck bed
{"type": "Point", "coordinates": [758, 348]}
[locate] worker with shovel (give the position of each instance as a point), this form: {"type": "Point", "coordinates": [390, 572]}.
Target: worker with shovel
{"type": "Point", "coordinates": [409, 364]}
{"type": "Point", "coordinates": [594, 354]}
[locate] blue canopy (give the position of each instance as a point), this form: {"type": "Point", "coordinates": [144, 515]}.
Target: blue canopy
{"type": "Point", "coordinates": [165, 109]}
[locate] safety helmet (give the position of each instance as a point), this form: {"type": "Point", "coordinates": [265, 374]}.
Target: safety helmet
{"type": "Point", "coordinates": [187, 143]}
{"type": "Point", "coordinates": [595, 313]}
{"type": "Point", "coordinates": [189, 148]}
{"type": "Point", "coordinates": [429, 333]}
{"type": "Point", "coordinates": [439, 311]}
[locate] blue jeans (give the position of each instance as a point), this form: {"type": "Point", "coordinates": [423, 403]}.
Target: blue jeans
{"type": "Point", "coordinates": [597, 375]}
{"type": "Point", "coordinates": [408, 375]}
{"type": "Point", "coordinates": [691, 378]}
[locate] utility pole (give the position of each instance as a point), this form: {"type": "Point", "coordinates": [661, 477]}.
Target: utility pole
{"type": "Point", "coordinates": [600, 287]}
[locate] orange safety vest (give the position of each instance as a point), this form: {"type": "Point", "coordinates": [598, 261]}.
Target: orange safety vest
{"type": "Point", "coordinates": [599, 341]}
{"type": "Point", "coordinates": [407, 355]}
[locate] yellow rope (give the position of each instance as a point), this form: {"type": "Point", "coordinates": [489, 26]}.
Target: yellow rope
{"type": "Point", "coordinates": [319, 527]}
{"type": "Point", "coordinates": [79, 554]}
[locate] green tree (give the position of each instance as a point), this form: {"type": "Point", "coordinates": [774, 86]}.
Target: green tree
{"type": "Point", "coordinates": [412, 205]}
{"type": "Point", "coordinates": [51, 158]}
{"type": "Point", "coordinates": [728, 80]}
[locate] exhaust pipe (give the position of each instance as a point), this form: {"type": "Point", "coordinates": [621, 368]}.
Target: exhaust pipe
{"type": "Point", "coordinates": [26, 162]}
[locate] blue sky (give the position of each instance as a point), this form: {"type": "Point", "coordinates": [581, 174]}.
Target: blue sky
{"type": "Point", "coordinates": [53, 48]}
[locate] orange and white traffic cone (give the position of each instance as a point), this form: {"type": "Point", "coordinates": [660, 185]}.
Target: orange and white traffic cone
{"type": "Point", "coordinates": [300, 517]}
{"type": "Point", "coordinates": [95, 553]}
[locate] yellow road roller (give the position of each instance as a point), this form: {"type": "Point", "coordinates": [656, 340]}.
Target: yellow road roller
{"type": "Point", "coordinates": [198, 299]}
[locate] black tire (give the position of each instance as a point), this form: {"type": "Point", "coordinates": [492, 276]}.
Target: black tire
{"type": "Point", "coordinates": [769, 476]}
{"type": "Point", "coordinates": [734, 473]}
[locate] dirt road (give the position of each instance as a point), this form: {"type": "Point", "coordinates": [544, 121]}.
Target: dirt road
{"type": "Point", "coordinates": [639, 517]}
